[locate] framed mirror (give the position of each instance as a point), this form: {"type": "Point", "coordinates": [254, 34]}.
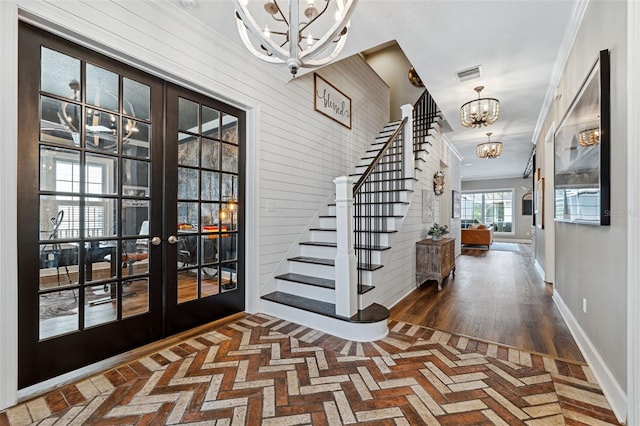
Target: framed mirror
{"type": "Point", "coordinates": [582, 152]}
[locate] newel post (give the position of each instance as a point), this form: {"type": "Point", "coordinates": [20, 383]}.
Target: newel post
{"type": "Point", "coordinates": [408, 159]}
{"type": "Point", "coordinates": [345, 263]}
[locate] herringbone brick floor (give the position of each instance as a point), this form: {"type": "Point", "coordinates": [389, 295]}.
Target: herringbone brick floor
{"type": "Point", "coordinates": [263, 370]}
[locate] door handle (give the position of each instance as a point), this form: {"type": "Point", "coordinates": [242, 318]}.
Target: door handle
{"type": "Point", "coordinates": [156, 241]}
{"type": "Point", "coordinates": [172, 239]}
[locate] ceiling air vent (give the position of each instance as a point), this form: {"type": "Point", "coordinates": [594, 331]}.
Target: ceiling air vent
{"type": "Point", "coordinates": [469, 73]}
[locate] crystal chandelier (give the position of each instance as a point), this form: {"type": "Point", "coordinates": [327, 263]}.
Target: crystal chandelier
{"type": "Point", "coordinates": [479, 112]}
{"type": "Point", "coordinates": [489, 149]}
{"type": "Point", "coordinates": [270, 37]}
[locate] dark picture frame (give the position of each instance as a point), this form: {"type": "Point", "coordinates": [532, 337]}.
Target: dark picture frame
{"type": "Point", "coordinates": [331, 102]}
{"type": "Point", "coordinates": [455, 204]}
{"type": "Point", "coordinates": [582, 155]}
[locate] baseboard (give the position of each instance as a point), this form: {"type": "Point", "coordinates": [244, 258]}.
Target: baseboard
{"type": "Point", "coordinates": [539, 269]}
{"type": "Point", "coordinates": [614, 393]}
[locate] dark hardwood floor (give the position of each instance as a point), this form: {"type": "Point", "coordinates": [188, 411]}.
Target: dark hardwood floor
{"type": "Point", "coordinates": [496, 296]}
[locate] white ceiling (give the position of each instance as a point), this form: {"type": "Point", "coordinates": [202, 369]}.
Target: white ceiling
{"type": "Point", "coordinates": [515, 41]}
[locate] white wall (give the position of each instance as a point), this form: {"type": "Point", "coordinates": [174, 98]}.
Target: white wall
{"type": "Point", "coordinates": [392, 66]}
{"type": "Point", "coordinates": [521, 224]}
{"type": "Point", "coordinates": [294, 152]}
{"type": "Point", "coordinates": [591, 261]}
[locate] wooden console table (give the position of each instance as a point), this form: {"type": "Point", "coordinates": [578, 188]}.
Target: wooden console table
{"type": "Point", "coordinates": [435, 260]}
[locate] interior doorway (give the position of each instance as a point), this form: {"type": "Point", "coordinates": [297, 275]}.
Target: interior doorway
{"type": "Point", "coordinates": [130, 207]}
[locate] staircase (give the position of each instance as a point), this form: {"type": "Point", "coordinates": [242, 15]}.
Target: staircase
{"type": "Point", "coordinates": [307, 293]}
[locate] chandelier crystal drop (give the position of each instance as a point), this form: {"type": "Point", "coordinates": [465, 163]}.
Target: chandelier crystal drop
{"type": "Point", "coordinates": [589, 137]}
{"type": "Point", "coordinates": [282, 35]}
{"type": "Point", "coordinates": [489, 149]}
{"type": "Point", "coordinates": [479, 112]}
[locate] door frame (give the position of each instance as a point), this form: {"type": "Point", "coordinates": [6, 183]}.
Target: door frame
{"type": "Point", "coordinates": [82, 32]}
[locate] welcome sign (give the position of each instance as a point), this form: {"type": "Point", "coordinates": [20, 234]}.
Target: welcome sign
{"type": "Point", "coordinates": [330, 101]}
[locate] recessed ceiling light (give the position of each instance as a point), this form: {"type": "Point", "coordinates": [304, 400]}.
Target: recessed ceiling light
{"type": "Point", "coordinates": [466, 164]}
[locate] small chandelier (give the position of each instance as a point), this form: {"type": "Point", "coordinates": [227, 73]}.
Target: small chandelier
{"type": "Point", "coordinates": [479, 112]}
{"type": "Point", "coordinates": [275, 44]}
{"type": "Point", "coordinates": [489, 149]}
{"type": "Point", "coordinates": [589, 137]}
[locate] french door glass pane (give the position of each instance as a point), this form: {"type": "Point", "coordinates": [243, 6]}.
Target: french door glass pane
{"type": "Point", "coordinates": [188, 150]}
{"type": "Point", "coordinates": [230, 128]}
{"type": "Point", "coordinates": [100, 305]}
{"type": "Point", "coordinates": [58, 313]}
{"type": "Point", "coordinates": [59, 122]}
{"type": "Point", "coordinates": [188, 115]}
{"type": "Point", "coordinates": [60, 74]}
{"type": "Point", "coordinates": [101, 131]}
{"type": "Point", "coordinates": [136, 99]}
{"type": "Point", "coordinates": [102, 88]}
{"type": "Point", "coordinates": [136, 137]}
{"type": "Point", "coordinates": [229, 158]}
{"type": "Point", "coordinates": [135, 297]}
{"type": "Point", "coordinates": [59, 169]}
{"type": "Point", "coordinates": [210, 154]}
{"type": "Point", "coordinates": [210, 122]}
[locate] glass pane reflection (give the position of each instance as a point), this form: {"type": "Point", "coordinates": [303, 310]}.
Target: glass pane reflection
{"type": "Point", "coordinates": [101, 174]}
{"type": "Point", "coordinates": [102, 88]}
{"type": "Point", "coordinates": [136, 99]}
{"type": "Point", "coordinates": [135, 177]}
{"type": "Point", "coordinates": [188, 115]}
{"type": "Point", "coordinates": [100, 304]}
{"type": "Point", "coordinates": [210, 122]}
{"type": "Point", "coordinates": [136, 137]}
{"type": "Point", "coordinates": [187, 285]}
{"type": "Point", "coordinates": [101, 131]}
{"type": "Point", "coordinates": [135, 297]}
{"type": "Point", "coordinates": [210, 186]}
{"type": "Point", "coordinates": [229, 276]}
{"type": "Point", "coordinates": [58, 313]}
{"type": "Point", "coordinates": [187, 184]}
{"type": "Point", "coordinates": [230, 128]}
{"type": "Point", "coordinates": [60, 74]}
{"type": "Point", "coordinates": [59, 169]}
{"type": "Point", "coordinates": [210, 154]}
{"type": "Point", "coordinates": [188, 150]}
{"type": "Point", "coordinates": [229, 158]}
{"type": "Point", "coordinates": [59, 122]}
{"type": "Point", "coordinates": [58, 265]}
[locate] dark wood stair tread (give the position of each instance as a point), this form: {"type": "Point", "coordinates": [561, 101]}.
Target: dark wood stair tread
{"type": "Point", "coordinates": [323, 244]}
{"type": "Point", "coordinates": [373, 313]}
{"type": "Point", "coordinates": [330, 262]}
{"type": "Point", "coordinates": [306, 279]}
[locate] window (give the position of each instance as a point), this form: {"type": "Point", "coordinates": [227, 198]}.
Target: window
{"type": "Point", "coordinates": [68, 180]}
{"type": "Point", "coordinates": [491, 208]}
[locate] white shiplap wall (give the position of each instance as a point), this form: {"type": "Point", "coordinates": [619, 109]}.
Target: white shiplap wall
{"type": "Point", "coordinates": [294, 152]}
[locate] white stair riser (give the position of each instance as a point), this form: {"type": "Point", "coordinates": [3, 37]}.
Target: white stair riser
{"type": "Point", "coordinates": [328, 222]}
{"type": "Point", "coordinates": [389, 223]}
{"type": "Point", "coordinates": [318, 251]}
{"type": "Point", "coordinates": [312, 270]}
{"type": "Point", "coordinates": [323, 236]}
{"type": "Point", "coordinates": [367, 277]}
{"type": "Point", "coordinates": [379, 239]}
{"type": "Point", "coordinates": [376, 257]}
{"type": "Point", "coordinates": [397, 209]}
{"type": "Point", "coordinates": [308, 291]}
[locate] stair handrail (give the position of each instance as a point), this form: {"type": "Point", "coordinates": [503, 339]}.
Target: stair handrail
{"type": "Point", "coordinates": [378, 157]}
{"type": "Point", "coordinates": [425, 110]}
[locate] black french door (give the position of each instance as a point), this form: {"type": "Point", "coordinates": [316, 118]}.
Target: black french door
{"type": "Point", "coordinates": [107, 260]}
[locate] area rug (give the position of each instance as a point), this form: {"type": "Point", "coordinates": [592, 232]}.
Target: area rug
{"type": "Point", "coordinates": [501, 246]}
{"type": "Point", "coordinates": [264, 370]}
